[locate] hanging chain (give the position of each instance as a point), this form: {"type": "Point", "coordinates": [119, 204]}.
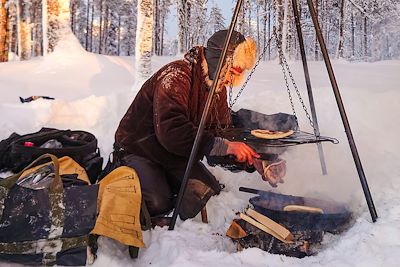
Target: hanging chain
{"type": "Point", "coordinates": [287, 83]}
{"type": "Point", "coordinates": [285, 65]}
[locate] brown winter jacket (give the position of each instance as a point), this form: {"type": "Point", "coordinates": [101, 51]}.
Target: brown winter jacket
{"type": "Point", "coordinates": [162, 122]}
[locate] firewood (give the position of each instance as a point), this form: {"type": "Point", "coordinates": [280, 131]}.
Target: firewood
{"type": "Point", "coordinates": [235, 231]}
{"type": "Point", "coordinates": [276, 227]}
{"type": "Point", "coordinates": [263, 228]}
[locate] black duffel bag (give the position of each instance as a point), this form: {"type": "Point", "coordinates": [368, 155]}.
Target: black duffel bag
{"type": "Point", "coordinates": [17, 151]}
{"type": "Point", "coordinates": [46, 226]}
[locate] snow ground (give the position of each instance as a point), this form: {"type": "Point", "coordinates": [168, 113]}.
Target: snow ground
{"type": "Point", "coordinates": [93, 92]}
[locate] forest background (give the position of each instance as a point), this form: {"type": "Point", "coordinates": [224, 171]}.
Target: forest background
{"type": "Point", "coordinates": [355, 30]}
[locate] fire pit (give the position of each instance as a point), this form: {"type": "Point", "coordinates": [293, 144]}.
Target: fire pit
{"type": "Point", "coordinates": [333, 218]}
{"type": "Point", "coordinates": [306, 218]}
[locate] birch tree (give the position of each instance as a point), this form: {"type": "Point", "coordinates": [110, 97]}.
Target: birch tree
{"type": "Point", "coordinates": [4, 40]}
{"type": "Point", "coordinates": [25, 41]}
{"type": "Point", "coordinates": [340, 50]}
{"type": "Point", "coordinates": [144, 35]}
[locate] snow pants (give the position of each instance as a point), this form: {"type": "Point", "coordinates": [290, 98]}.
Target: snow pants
{"type": "Point", "coordinates": [160, 186]}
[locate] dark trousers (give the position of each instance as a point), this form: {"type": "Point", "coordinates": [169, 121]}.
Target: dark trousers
{"type": "Point", "coordinates": [161, 184]}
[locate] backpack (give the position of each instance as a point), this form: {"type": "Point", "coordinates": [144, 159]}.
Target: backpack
{"type": "Point", "coordinates": [46, 214]}
{"type": "Point", "coordinates": [17, 151]}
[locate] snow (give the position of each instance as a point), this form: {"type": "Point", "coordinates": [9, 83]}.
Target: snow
{"type": "Point", "coordinates": [93, 92]}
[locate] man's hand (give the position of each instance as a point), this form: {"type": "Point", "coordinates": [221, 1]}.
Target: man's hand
{"type": "Point", "coordinates": [242, 152]}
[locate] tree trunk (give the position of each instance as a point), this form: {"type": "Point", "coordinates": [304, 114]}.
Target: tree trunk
{"type": "Point", "coordinates": [352, 35]}
{"type": "Point", "coordinates": [144, 34]}
{"type": "Point", "coordinates": [258, 27]}
{"type": "Point", "coordinates": [87, 25]}
{"type": "Point", "coordinates": [105, 28]}
{"type": "Point", "coordinates": [162, 35]}
{"type": "Point", "coordinates": [249, 31]}
{"type": "Point", "coordinates": [264, 26]}
{"type": "Point", "coordinates": [279, 21]}
{"type": "Point", "coordinates": [37, 29]}
{"type": "Point", "coordinates": [269, 30]}
{"type": "Point", "coordinates": [188, 14]}
{"type": "Point", "coordinates": [285, 26]}
{"type": "Point", "coordinates": [14, 35]}
{"type": "Point", "coordinates": [316, 46]}
{"type": "Point", "coordinates": [25, 48]}
{"type": "Point", "coordinates": [101, 27]}
{"type": "Point", "coordinates": [119, 36]}
{"type": "Point", "coordinates": [365, 37]}
{"type": "Point", "coordinates": [4, 21]}
{"type": "Point", "coordinates": [73, 12]}
{"type": "Point", "coordinates": [182, 25]}
{"type": "Point", "coordinates": [339, 53]}
{"type": "Point", "coordinates": [91, 29]}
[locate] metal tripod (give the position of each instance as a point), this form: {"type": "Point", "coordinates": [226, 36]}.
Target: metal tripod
{"type": "Point", "coordinates": [335, 88]}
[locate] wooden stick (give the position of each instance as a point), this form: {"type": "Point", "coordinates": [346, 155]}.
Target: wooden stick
{"type": "Point", "coordinates": [204, 217]}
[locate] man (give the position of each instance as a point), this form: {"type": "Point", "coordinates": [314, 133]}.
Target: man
{"type": "Point", "coordinates": [157, 132]}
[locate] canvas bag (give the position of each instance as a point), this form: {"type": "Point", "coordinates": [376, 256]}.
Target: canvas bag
{"type": "Point", "coordinates": [46, 226]}
{"type": "Point", "coordinates": [120, 203]}
{"type": "Point", "coordinates": [79, 145]}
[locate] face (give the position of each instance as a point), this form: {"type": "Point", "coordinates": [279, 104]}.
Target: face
{"type": "Point", "coordinates": [234, 76]}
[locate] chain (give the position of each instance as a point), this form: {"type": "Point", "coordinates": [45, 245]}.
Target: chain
{"type": "Point", "coordinates": [287, 84]}
{"type": "Point", "coordinates": [285, 65]}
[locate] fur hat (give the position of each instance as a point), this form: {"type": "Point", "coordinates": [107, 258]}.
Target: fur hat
{"type": "Point", "coordinates": [241, 52]}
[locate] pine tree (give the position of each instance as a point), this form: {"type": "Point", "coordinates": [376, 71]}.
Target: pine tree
{"type": "Point", "coordinates": [128, 23]}
{"type": "Point", "coordinates": [216, 21]}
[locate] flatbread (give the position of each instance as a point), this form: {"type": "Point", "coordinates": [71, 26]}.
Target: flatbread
{"type": "Point", "coordinates": [268, 134]}
{"type": "Point", "coordinates": [301, 208]}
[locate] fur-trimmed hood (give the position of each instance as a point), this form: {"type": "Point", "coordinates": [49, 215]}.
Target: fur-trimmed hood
{"type": "Point", "coordinates": [245, 55]}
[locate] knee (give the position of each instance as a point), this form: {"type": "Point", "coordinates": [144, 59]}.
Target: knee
{"type": "Point", "coordinates": [157, 204]}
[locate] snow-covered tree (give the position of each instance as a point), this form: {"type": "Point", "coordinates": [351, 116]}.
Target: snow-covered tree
{"type": "Point", "coordinates": [216, 20]}
{"type": "Point", "coordinates": [196, 34]}
{"type": "Point", "coordinates": [144, 36]}
{"type": "Point", "coordinates": [128, 24]}
{"type": "Point", "coordinates": [112, 40]}
{"type": "Point", "coordinates": [161, 10]}
{"type": "Point", "coordinates": [58, 21]}
{"type": "Point", "coordinates": [25, 38]}
{"type": "Point", "coordinates": [182, 11]}
{"type": "Point", "coordinates": [37, 28]}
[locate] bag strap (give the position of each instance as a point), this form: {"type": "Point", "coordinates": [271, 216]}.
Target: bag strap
{"type": "Point", "coordinates": [56, 185]}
